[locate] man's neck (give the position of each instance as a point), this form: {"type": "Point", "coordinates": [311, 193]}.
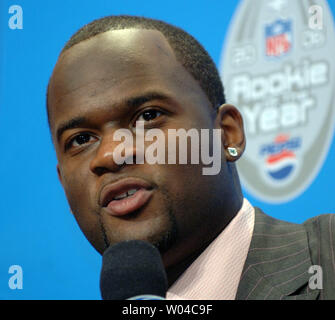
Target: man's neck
{"type": "Point", "coordinates": [175, 271]}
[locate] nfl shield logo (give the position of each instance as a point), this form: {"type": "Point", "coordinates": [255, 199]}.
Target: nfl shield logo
{"type": "Point", "coordinates": [278, 38]}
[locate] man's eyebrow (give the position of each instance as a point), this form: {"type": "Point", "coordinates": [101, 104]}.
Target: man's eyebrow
{"type": "Point", "coordinates": [71, 124]}
{"type": "Point", "coordinates": [139, 100]}
{"type": "Point", "coordinates": [131, 103]}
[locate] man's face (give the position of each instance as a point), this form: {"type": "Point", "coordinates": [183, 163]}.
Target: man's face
{"type": "Point", "coordinates": [108, 83]}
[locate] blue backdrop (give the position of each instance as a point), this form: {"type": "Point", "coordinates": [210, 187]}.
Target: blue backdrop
{"type": "Point", "coordinates": [37, 230]}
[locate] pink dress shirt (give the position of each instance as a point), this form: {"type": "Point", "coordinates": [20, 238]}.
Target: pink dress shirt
{"type": "Point", "coordinates": [216, 273]}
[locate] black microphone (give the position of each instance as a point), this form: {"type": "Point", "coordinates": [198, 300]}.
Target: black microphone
{"type": "Point", "coordinates": [132, 270]}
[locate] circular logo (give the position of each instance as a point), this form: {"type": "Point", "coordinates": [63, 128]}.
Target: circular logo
{"type": "Point", "coordinates": [277, 68]}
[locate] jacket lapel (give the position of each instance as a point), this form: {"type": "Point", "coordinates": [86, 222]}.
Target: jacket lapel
{"type": "Point", "coordinates": [277, 263]}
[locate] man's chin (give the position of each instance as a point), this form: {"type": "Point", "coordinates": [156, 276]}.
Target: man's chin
{"type": "Point", "coordinates": [163, 239]}
{"type": "Point", "coordinates": [162, 242]}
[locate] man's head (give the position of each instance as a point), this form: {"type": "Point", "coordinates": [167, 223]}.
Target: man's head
{"type": "Point", "coordinates": [111, 74]}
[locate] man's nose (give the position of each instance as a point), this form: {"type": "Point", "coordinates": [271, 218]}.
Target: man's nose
{"type": "Point", "coordinates": [112, 155]}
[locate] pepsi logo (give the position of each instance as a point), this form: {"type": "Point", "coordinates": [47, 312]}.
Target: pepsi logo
{"type": "Point", "coordinates": [280, 157]}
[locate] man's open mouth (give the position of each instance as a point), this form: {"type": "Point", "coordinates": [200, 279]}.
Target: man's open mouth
{"type": "Point", "coordinates": [125, 196]}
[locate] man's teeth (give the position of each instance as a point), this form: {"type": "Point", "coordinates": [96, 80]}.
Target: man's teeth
{"type": "Point", "coordinates": [125, 194]}
{"type": "Point", "coordinates": [131, 192]}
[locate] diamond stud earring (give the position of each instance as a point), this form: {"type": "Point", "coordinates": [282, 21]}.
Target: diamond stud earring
{"type": "Point", "coordinates": [232, 151]}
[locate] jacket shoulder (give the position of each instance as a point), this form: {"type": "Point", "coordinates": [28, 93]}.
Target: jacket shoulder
{"type": "Point", "coordinates": [321, 238]}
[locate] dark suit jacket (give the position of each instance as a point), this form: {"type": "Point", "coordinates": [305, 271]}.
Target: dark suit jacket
{"type": "Point", "coordinates": [280, 256]}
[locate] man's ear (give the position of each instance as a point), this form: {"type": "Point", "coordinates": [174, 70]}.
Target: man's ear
{"type": "Point", "coordinates": [229, 119]}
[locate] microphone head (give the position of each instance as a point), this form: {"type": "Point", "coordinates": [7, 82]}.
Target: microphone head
{"type": "Point", "coordinates": [132, 268]}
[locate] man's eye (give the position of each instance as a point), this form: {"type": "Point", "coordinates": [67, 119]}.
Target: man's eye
{"type": "Point", "coordinates": [149, 115]}
{"type": "Point", "coordinates": [79, 140]}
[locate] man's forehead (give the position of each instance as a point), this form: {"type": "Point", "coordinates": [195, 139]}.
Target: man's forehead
{"type": "Point", "coordinates": [111, 55]}
{"type": "Point", "coordinates": [129, 38]}
{"type": "Point", "coordinates": [137, 43]}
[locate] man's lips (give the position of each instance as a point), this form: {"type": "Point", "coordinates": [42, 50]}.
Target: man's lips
{"type": "Point", "coordinates": [125, 196]}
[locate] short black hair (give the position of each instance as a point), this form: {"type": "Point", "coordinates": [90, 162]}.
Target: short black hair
{"type": "Point", "coordinates": [189, 52]}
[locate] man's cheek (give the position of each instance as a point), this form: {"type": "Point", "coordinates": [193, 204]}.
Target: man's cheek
{"type": "Point", "coordinates": [76, 191]}
{"type": "Point", "coordinates": [90, 226]}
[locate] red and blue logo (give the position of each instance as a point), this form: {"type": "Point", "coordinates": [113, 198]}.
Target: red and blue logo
{"type": "Point", "coordinates": [278, 38]}
{"type": "Point", "coordinates": [280, 158]}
